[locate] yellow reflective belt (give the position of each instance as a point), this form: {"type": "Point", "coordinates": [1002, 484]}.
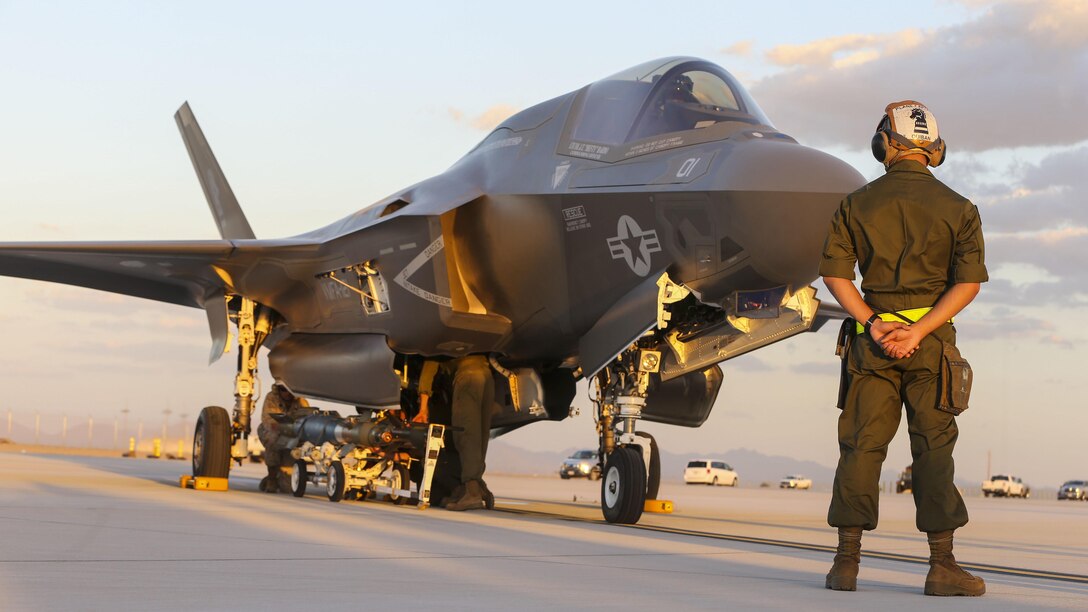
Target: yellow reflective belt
{"type": "Point", "coordinates": [913, 314]}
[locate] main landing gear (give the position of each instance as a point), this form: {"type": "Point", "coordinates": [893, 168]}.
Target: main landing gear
{"type": "Point", "coordinates": [632, 462]}
{"type": "Point", "coordinates": [218, 438]}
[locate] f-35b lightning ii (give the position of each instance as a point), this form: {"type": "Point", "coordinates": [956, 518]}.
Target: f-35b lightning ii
{"type": "Point", "coordinates": [634, 233]}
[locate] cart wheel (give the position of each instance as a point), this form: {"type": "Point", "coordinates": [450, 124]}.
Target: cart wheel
{"type": "Point", "coordinates": [336, 483]}
{"type": "Point", "coordinates": [400, 480]}
{"type": "Point", "coordinates": [299, 476]}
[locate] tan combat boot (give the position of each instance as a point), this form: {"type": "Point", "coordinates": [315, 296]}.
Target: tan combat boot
{"type": "Point", "coordinates": [473, 498]}
{"type": "Point", "coordinates": [844, 572]}
{"type": "Point", "coordinates": [945, 576]}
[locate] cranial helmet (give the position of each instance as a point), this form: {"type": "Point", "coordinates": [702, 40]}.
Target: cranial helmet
{"type": "Point", "coordinates": [908, 127]}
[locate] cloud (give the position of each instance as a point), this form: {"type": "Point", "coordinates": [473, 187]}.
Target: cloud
{"type": "Point", "coordinates": [493, 116]}
{"type": "Point", "coordinates": [1010, 77]}
{"type": "Point", "coordinates": [1045, 198]}
{"type": "Point", "coordinates": [485, 121]}
{"type": "Point", "coordinates": [741, 49]}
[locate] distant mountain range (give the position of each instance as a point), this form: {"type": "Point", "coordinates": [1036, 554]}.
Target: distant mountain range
{"type": "Point", "coordinates": [753, 467]}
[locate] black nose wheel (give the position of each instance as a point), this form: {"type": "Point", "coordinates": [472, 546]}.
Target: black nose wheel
{"type": "Point", "coordinates": [623, 488]}
{"type": "Point", "coordinates": [211, 443]}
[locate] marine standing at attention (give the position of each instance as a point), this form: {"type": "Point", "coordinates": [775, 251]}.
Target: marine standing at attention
{"type": "Point", "coordinates": [919, 247]}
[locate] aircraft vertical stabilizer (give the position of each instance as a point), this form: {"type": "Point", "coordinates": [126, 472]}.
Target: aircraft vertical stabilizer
{"type": "Point", "coordinates": [228, 214]}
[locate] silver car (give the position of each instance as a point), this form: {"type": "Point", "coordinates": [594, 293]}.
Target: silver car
{"type": "Point", "coordinates": [581, 464]}
{"type": "Point", "coordinates": [1074, 489]}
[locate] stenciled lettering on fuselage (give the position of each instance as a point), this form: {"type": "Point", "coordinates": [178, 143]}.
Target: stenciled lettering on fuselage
{"type": "Point", "coordinates": [417, 262]}
{"type": "Point", "coordinates": [633, 245]}
{"type": "Point", "coordinates": [575, 218]}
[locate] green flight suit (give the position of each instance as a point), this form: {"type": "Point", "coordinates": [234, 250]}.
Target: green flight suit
{"type": "Point", "coordinates": [912, 238]}
{"type": "Point", "coordinates": [471, 402]}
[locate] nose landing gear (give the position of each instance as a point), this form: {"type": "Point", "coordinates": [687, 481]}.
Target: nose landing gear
{"type": "Point", "coordinates": [632, 464]}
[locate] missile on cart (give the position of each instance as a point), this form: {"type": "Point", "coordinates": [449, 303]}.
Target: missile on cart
{"type": "Point", "coordinates": [322, 427]}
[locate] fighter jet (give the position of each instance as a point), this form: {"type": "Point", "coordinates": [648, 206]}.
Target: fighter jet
{"type": "Point", "coordinates": [634, 233]}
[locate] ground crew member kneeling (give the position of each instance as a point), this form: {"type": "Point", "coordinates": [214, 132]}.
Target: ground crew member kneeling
{"type": "Point", "coordinates": [920, 251]}
{"type": "Point", "coordinates": [277, 456]}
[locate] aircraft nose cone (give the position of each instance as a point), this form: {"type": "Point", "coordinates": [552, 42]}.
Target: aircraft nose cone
{"type": "Point", "coordinates": [778, 165]}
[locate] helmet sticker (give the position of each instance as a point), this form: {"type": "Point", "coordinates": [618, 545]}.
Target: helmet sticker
{"type": "Point", "coordinates": [913, 121]}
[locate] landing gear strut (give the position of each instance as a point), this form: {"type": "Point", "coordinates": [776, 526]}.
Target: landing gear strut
{"type": "Point", "coordinates": [632, 465]}
{"type": "Point", "coordinates": [219, 438]}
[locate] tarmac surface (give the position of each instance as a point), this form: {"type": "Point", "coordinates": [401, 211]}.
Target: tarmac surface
{"type": "Point", "coordinates": [111, 533]}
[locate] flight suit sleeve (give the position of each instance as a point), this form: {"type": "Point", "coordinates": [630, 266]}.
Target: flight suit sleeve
{"type": "Point", "coordinates": [426, 377]}
{"type": "Point", "coordinates": [839, 256]}
{"type": "Point", "coordinates": [969, 265]}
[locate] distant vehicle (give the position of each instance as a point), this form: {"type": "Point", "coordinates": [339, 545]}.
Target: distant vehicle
{"type": "Point", "coordinates": [795, 482]}
{"type": "Point", "coordinates": [1074, 489]}
{"type": "Point", "coordinates": [906, 481]}
{"type": "Point", "coordinates": [714, 473]}
{"type": "Point", "coordinates": [583, 463]}
{"type": "Point", "coordinates": [1001, 485]}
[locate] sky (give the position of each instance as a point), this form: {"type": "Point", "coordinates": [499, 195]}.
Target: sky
{"type": "Point", "coordinates": [315, 112]}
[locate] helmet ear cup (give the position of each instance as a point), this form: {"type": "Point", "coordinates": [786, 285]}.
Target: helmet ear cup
{"type": "Point", "coordinates": [882, 149]}
{"type": "Point", "coordinates": [936, 158]}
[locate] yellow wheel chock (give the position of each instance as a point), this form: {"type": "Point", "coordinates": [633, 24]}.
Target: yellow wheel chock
{"type": "Point", "coordinates": [203, 483]}
{"type": "Point", "coordinates": [659, 506]}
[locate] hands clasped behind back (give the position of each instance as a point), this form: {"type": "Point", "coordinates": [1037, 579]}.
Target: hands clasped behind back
{"type": "Point", "coordinates": [897, 340]}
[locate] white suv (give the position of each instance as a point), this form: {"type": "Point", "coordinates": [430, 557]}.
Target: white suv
{"type": "Point", "coordinates": [795, 481]}
{"type": "Point", "coordinates": [706, 471]}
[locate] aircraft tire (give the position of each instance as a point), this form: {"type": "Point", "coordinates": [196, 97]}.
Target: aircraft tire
{"type": "Point", "coordinates": [335, 486]}
{"type": "Point", "coordinates": [211, 443]}
{"type": "Point", "coordinates": [623, 487]}
{"type": "Point", "coordinates": [653, 475]}
{"type": "Point", "coordinates": [299, 476]}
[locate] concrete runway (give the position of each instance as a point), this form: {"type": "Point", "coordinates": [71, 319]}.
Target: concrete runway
{"type": "Point", "coordinates": [90, 533]}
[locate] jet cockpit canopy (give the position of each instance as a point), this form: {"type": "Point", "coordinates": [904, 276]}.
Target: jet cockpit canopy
{"type": "Point", "coordinates": [662, 97]}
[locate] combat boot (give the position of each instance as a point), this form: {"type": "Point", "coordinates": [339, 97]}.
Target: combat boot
{"type": "Point", "coordinates": [270, 484]}
{"type": "Point", "coordinates": [945, 576]}
{"type": "Point", "coordinates": [457, 494]}
{"type": "Point", "coordinates": [844, 571]}
{"type": "Point", "coordinates": [489, 497]}
{"type": "Point", "coordinates": [473, 498]}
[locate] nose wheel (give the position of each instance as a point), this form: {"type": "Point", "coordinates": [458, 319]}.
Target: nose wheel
{"type": "Point", "coordinates": [623, 488]}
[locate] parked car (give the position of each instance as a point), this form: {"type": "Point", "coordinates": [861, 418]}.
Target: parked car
{"type": "Point", "coordinates": [707, 471]}
{"type": "Point", "coordinates": [795, 481]}
{"type": "Point", "coordinates": [583, 463]}
{"type": "Point", "coordinates": [1002, 485]}
{"type": "Point", "coordinates": [1074, 489]}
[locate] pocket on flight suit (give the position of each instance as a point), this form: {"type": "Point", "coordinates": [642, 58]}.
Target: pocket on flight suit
{"type": "Point", "coordinates": [954, 388]}
{"type": "Point", "coordinates": [847, 334]}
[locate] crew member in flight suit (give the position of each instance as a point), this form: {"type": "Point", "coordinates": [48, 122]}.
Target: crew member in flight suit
{"type": "Point", "coordinates": [277, 457]}
{"type": "Point", "coordinates": [471, 402]}
{"type": "Point", "coordinates": [919, 248]}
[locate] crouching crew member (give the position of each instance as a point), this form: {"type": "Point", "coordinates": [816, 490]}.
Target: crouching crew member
{"type": "Point", "coordinates": [277, 456]}
{"type": "Point", "coordinates": [920, 251]}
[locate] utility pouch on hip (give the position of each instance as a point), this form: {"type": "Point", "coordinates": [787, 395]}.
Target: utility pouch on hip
{"type": "Point", "coordinates": [842, 350]}
{"type": "Point", "coordinates": [955, 380]}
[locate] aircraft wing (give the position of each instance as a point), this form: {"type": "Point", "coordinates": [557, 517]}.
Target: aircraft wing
{"type": "Point", "coordinates": [181, 272]}
{"type": "Point", "coordinates": [828, 312]}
